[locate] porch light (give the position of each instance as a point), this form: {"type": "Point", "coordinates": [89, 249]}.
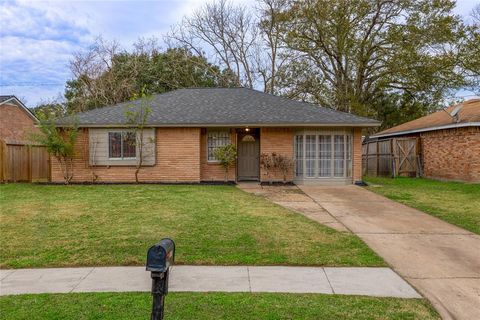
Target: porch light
{"type": "Point", "coordinates": [247, 129]}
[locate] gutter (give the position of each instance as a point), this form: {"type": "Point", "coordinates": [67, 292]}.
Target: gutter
{"type": "Point", "coordinates": [448, 126]}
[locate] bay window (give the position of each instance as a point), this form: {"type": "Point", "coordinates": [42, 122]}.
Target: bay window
{"type": "Point", "coordinates": [322, 154]}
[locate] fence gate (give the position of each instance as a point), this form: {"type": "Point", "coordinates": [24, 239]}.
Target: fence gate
{"type": "Point", "coordinates": [24, 163]}
{"type": "Point", "coordinates": [391, 157]}
{"type": "Point", "coordinates": [405, 157]}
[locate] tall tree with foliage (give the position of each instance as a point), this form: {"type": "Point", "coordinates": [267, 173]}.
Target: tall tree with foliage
{"type": "Point", "coordinates": [50, 109]}
{"type": "Point", "coordinates": [469, 52]}
{"type": "Point", "coordinates": [358, 50]}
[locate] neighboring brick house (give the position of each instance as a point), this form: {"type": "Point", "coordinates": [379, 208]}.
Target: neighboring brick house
{"type": "Point", "coordinates": [449, 141]}
{"type": "Point", "coordinates": [16, 121]}
{"type": "Point", "coordinates": [186, 125]}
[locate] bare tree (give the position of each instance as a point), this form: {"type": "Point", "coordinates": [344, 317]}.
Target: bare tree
{"type": "Point", "coordinates": [136, 117]}
{"type": "Point", "coordinates": [273, 52]}
{"type": "Point", "coordinates": [91, 69]}
{"type": "Point", "coordinates": [476, 14]}
{"type": "Point", "coordinates": [227, 33]}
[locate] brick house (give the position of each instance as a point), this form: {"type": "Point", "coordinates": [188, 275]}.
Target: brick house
{"type": "Point", "coordinates": [186, 125]}
{"type": "Point", "coordinates": [449, 141]}
{"type": "Point", "coordinates": [16, 120]}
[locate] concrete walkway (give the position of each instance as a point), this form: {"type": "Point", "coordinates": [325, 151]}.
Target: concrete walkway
{"type": "Point", "coordinates": [441, 260]}
{"type": "Point", "coordinates": [381, 282]}
{"type": "Point", "coordinates": [293, 198]}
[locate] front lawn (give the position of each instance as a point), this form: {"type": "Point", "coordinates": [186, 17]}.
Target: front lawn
{"type": "Point", "coordinates": [454, 202]}
{"type": "Point", "coordinates": [212, 306]}
{"type": "Point", "coordinates": [95, 225]}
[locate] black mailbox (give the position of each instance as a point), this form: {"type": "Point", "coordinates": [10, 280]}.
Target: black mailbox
{"type": "Point", "coordinates": [159, 259]}
{"type": "Point", "coordinates": [161, 256]}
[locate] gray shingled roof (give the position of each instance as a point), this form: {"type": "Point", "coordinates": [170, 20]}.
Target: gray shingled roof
{"type": "Point", "coordinates": [222, 106]}
{"type": "Point", "coordinates": [5, 98]}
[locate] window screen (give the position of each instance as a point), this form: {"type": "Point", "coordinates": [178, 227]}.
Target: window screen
{"type": "Point", "coordinates": [298, 156]}
{"type": "Point", "coordinates": [324, 156]}
{"type": "Point", "coordinates": [310, 150]}
{"type": "Point", "coordinates": [339, 156]}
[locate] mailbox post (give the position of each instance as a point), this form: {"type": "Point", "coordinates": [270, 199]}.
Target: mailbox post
{"type": "Point", "coordinates": [159, 259]}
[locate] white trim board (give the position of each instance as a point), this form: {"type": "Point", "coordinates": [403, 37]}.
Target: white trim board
{"type": "Point", "coordinates": [448, 126]}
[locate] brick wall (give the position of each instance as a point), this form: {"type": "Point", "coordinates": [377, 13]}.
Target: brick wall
{"type": "Point", "coordinates": [181, 156]}
{"type": "Point", "coordinates": [280, 141]}
{"type": "Point", "coordinates": [452, 154]}
{"type": "Point", "coordinates": [213, 171]}
{"type": "Point", "coordinates": [177, 160]}
{"type": "Point", "coordinates": [15, 124]}
{"type": "Point", "coordinates": [357, 154]}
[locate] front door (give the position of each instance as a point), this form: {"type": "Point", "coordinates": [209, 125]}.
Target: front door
{"type": "Point", "coordinates": [248, 149]}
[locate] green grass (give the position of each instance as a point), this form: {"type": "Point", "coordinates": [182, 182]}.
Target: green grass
{"type": "Point", "coordinates": [212, 306]}
{"type": "Point", "coordinates": [81, 225]}
{"type": "Point", "coordinates": [454, 202]}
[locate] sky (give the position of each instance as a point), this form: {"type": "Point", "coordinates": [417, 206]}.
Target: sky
{"type": "Point", "coordinates": [38, 38]}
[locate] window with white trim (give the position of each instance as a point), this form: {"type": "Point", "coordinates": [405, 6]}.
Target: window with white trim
{"type": "Point", "coordinates": [323, 154]}
{"type": "Point", "coordinates": [122, 145]}
{"type": "Point", "coordinates": [215, 139]}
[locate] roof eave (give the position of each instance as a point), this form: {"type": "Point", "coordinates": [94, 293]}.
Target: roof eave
{"type": "Point", "coordinates": [217, 125]}
{"type": "Point", "coordinates": [24, 107]}
{"type": "Point", "coordinates": [449, 126]}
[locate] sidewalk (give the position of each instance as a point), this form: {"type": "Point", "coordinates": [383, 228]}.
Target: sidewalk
{"type": "Point", "coordinates": [381, 282]}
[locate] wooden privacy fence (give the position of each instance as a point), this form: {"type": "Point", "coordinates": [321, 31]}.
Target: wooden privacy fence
{"type": "Point", "coordinates": [392, 157]}
{"type": "Point", "coordinates": [24, 163]}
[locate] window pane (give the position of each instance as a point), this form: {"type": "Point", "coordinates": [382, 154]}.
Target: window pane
{"type": "Point", "coordinates": [298, 156]}
{"type": "Point", "coordinates": [216, 139]}
{"type": "Point", "coordinates": [114, 144]}
{"type": "Point", "coordinates": [129, 145]}
{"type": "Point", "coordinates": [325, 155]}
{"type": "Point", "coordinates": [339, 155]}
{"type": "Point", "coordinates": [310, 151]}
{"type": "Point", "coordinates": [349, 156]}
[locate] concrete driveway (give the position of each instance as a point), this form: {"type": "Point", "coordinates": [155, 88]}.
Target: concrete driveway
{"type": "Point", "coordinates": [441, 260]}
